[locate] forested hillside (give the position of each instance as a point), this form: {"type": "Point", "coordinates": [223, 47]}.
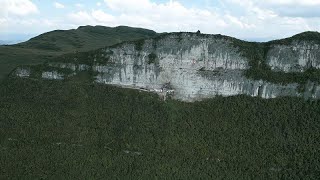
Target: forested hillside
{"type": "Point", "coordinates": [71, 130]}
{"type": "Point", "coordinates": [55, 43]}
{"type": "Point", "coordinates": [75, 128]}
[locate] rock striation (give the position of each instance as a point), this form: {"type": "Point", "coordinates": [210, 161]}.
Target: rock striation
{"type": "Point", "coordinates": [296, 57]}
{"type": "Point", "coordinates": [190, 67]}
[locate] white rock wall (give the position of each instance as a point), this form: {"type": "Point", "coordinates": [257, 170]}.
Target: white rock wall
{"type": "Point", "coordinates": [23, 72]}
{"type": "Point", "coordinates": [54, 75]}
{"type": "Point", "coordinates": [196, 67]}
{"type": "Point", "coordinates": [185, 69]}
{"type": "Point", "coordinates": [294, 58]}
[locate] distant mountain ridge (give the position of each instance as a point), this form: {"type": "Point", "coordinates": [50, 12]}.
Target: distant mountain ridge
{"type": "Point", "coordinates": [7, 42]}
{"type": "Point", "coordinates": [3, 42]}
{"type": "Point", "coordinates": [85, 38]}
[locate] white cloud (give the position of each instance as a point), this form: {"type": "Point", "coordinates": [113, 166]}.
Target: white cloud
{"type": "Point", "coordinates": [3, 23]}
{"type": "Point", "coordinates": [81, 18]}
{"type": "Point", "coordinates": [255, 20]}
{"type": "Point", "coordinates": [238, 18]}
{"type": "Point", "coordinates": [79, 5]}
{"type": "Point", "coordinates": [169, 16]}
{"type": "Point", "coordinates": [17, 7]}
{"type": "Point", "coordinates": [277, 18]}
{"type": "Point", "coordinates": [101, 16]}
{"type": "Point", "coordinates": [278, 2]}
{"type": "Point", "coordinates": [292, 2]}
{"type": "Point", "coordinates": [58, 5]}
{"type": "Point", "coordinates": [240, 22]}
{"type": "Point", "coordinates": [294, 8]}
{"type": "Point", "coordinates": [290, 8]}
{"type": "Point", "coordinates": [28, 25]}
{"type": "Point", "coordinates": [94, 17]}
{"type": "Point", "coordinates": [13, 10]}
{"type": "Point", "coordinates": [130, 5]}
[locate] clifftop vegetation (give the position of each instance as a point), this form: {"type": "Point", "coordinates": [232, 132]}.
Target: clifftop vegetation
{"type": "Point", "coordinates": [52, 44]}
{"type": "Point", "coordinates": [255, 52]}
{"type": "Point", "coordinates": [83, 43]}
{"type": "Point", "coordinates": [86, 38]}
{"type": "Point", "coordinates": [312, 36]}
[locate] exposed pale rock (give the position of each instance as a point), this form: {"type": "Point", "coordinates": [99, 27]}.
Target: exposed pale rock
{"type": "Point", "coordinates": [296, 57]}
{"type": "Point", "coordinates": [52, 75]}
{"type": "Point", "coordinates": [71, 66]}
{"type": "Point", "coordinates": [195, 67]}
{"type": "Point", "coordinates": [23, 72]}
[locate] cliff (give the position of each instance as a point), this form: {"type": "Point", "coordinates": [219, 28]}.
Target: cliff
{"type": "Point", "coordinates": [193, 66]}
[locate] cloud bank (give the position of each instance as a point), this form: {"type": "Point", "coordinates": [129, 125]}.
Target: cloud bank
{"type": "Point", "coordinates": [246, 19]}
{"type": "Point", "coordinates": [58, 5]}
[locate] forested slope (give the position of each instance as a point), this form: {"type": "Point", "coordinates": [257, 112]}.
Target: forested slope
{"type": "Point", "coordinates": [72, 130]}
{"type": "Point", "coordinates": [49, 45]}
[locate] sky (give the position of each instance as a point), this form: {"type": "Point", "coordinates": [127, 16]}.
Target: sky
{"type": "Point", "coordinates": [244, 19]}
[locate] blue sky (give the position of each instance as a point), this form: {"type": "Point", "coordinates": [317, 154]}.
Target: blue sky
{"type": "Point", "coordinates": [244, 19]}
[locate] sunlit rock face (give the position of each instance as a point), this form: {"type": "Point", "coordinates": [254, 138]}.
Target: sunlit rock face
{"type": "Point", "coordinates": [195, 67]}
{"type": "Point", "coordinates": [296, 57]}
{"type": "Point", "coordinates": [22, 72]}
{"type": "Point", "coordinates": [178, 60]}
{"type": "Point", "coordinates": [52, 75]}
{"type": "Point", "coordinates": [70, 66]}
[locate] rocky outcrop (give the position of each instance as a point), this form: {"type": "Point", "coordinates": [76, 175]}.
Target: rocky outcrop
{"type": "Point", "coordinates": [296, 57]}
{"type": "Point", "coordinates": [52, 75]}
{"type": "Point", "coordinates": [22, 72]}
{"type": "Point", "coordinates": [190, 67]}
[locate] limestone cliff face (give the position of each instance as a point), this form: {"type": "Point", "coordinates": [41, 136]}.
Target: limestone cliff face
{"type": "Point", "coordinates": [296, 57]}
{"type": "Point", "coordinates": [178, 60]}
{"type": "Point", "coordinates": [191, 67]}
{"type": "Point", "coordinates": [22, 72]}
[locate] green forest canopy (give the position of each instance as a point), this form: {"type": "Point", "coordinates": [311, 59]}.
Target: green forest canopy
{"type": "Point", "coordinates": [65, 129]}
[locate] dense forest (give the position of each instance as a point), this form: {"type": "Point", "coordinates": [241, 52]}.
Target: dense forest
{"type": "Point", "coordinates": [72, 130]}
